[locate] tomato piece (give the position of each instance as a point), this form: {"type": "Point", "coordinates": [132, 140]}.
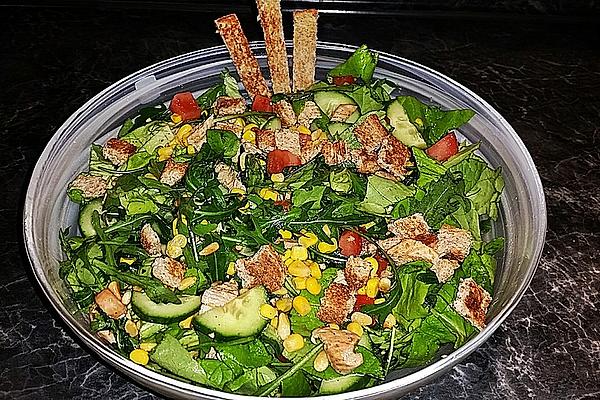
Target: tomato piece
{"type": "Point", "coordinates": [285, 204]}
{"type": "Point", "coordinates": [344, 80]}
{"type": "Point", "coordinates": [362, 300]}
{"type": "Point", "coordinates": [444, 148]}
{"type": "Point", "coordinates": [184, 104]}
{"type": "Point", "coordinates": [262, 104]}
{"type": "Point", "coordinates": [350, 243]}
{"type": "Point", "coordinates": [277, 160]}
{"type": "Point", "coordinates": [382, 263]}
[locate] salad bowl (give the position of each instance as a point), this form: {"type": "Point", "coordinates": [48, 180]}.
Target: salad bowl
{"type": "Point", "coordinates": [47, 209]}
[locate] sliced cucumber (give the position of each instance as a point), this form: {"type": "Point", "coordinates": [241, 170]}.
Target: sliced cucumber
{"type": "Point", "coordinates": [328, 101]}
{"type": "Point", "coordinates": [273, 124]}
{"type": "Point", "coordinates": [335, 128]}
{"type": "Point", "coordinates": [238, 318]}
{"type": "Point", "coordinates": [404, 130]}
{"type": "Point", "coordinates": [85, 217]}
{"type": "Point", "coordinates": [163, 313]}
{"type": "Point", "coordinates": [349, 382]}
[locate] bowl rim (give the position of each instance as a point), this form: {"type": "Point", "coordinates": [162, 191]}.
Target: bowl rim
{"type": "Point", "coordinates": [143, 374]}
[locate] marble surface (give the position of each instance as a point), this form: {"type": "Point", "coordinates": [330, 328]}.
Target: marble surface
{"type": "Point", "coordinates": [544, 77]}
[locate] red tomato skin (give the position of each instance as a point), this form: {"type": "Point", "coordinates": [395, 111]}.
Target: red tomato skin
{"type": "Point", "coordinates": [444, 148]}
{"type": "Point", "coordinates": [362, 300]}
{"type": "Point", "coordinates": [344, 80]}
{"type": "Point", "coordinates": [262, 104]}
{"type": "Point", "coordinates": [278, 160]}
{"type": "Point", "coordinates": [184, 105]}
{"type": "Point", "coordinates": [350, 243]}
{"type": "Point", "coordinates": [382, 263]}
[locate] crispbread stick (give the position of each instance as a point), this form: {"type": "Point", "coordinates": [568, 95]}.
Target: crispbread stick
{"type": "Point", "coordinates": [246, 64]}
{"type": "Point", "coordinates": [270, 20]}
{"type": "Point", "coordinates": [305, 48]}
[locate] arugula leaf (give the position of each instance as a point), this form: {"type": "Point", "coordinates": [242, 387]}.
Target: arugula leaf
{"type": "Point", "coordinates": [361, 64]}
{"type": "Point", "coordinates": [382, 193]}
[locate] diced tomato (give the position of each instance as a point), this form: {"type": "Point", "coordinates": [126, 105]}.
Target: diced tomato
{"type": "Point", "coordinates": [362, 300]}
{"type": "Point", "coordinates": [344, 80]}
{"type": "Point", "coordinates": [262, 104]}
{"type": "Point", "coordinates": [350, 243]}
{"type": "Point", "coordinates": [285, 204]}
{"type": "Point", "coordinates": [185, 105]}
{"type": "Point", "coordinates": [382, 263]}
{"type": "Point", "coordinates": [277, 160]}
{"type": "Point", "coordinates": [444, 148]}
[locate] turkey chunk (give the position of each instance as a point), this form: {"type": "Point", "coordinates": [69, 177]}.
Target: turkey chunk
{"type": "Point", "coordinates": [168, 271]}
{"type": "Point", "coordinates": [472, 302]}
{"type": "Point", "coordinates": [263, 268]}
{"type": "Point", "coordinates": [339, 345]}
{"type": "Point", "coordinates": [337, 304]}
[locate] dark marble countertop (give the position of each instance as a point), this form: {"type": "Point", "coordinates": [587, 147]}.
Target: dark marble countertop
{"type": "Point", "coordinates": [542, 75]}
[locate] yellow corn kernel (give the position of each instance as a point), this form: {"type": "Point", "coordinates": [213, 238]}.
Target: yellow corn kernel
{"type": "Point", "coordinates": [355, 327]}
{"type": "Point", "coordinates": [327, 247]}
{"type": "Point", "coordinates": [315, 271]}
{"type": "Point", "coordinates": [191, 150]}
{"type": "Point", "coordinates": [186, 323]}
{"type": "Point", "coordinates": [362, 290]}
{"type": "Point", "coordinates": [176, 118]}
{"type": "Point", "coordinates": [274, 321]}
{"type": "Point", "coordinates": [419, 122]}
{"type": "Point", "coordinates": [204, 222]}
{"type": "Point", "coordinates": [173, 250]}
{"type": "Point", "coordinates": [147, 346]}
{"type": "Point", "coordinates": [238, 190]}
{"type": "Point", "coordinates": [268, 194]}
{"type": "Point", "coordinates": [268, 311]}
{"type": "Point", "coordinates": [299, 253]}
{"type": "Point", "coordinates": [372, 287]}
{"type": "Point", "coordinates": [283, 327]}
{"type": "Point", "coordinates": [321, 361]}
{"type": "Point", "coordinates": [231, 268]}
{"type": "Point", "coordinates": [239, 121]}
{"type": "Point", "coordinates": [284, 305]}
{"type": "Point", "coordinates": [280, 292]}
{"type": "Point", "coordinates": [115, 288]}
{"type": "Point", "coordinates": [126, 260]}
{"type": "Point", "coordinates": [361, 318]}
{"type": "Point", "coordinates": [285, 235]}
{"type": "Point", "coordinates": [294, 342]}
{"type": "Point", "coordinates": [304, 130]}
{"type": "Point", "coordinates": [187, 282]}
{"type": "Point", "coordinates": [380, 300]}
{"type": "Point", "coordinates": [288, 262]}
{"type": "Point", "coordinates": [374, 265]}
{"type": "Point", "coordinates": [131, 328]}
{"type": "Point", "coordinates": [287, 254]}
{"type": "Point", "coordinates": [249, 135]}
{"type": "Point", "coordinates": [334, 326]}
{"type": "Point", "coordinates": [174, 227]}
{"type": "Point", "coordinates": [327, 230]}
{"type": "Point", "coordinates": [249, 127]}
{"type": "Point", "coordinates": [139, 356]}
{"type": "Point", "coordinates": [308, 239]}
{"type": "Point", "coordinates": [278, 178]}
{"type": "Point", "coordinates": [300, 283]}
{"type": "Point", "coordinates": [179, 240]}
{"type": "Point", "coordinates": [182, 134]}
{"type": "Point", "coordinates": [301, 305]}
{"type": "Point", "coordinates": [211, 248]}
{"type": "Point", "coordinates": [164, 153]}
{"type": "Point", "coordinates": [368, 225]}
{"type": "Point", "coordinates": [385, 284]}
{"type": "Point", "coordinates": [317, 134]}
{"type": "Point", "coordinates": [389, 322]}
{"type": "Point", "coordinates": [298, 268]}
{"type": "Point", "coordinates": [313, 286]}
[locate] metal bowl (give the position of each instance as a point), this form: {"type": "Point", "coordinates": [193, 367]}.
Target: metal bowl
{"type": "Point", "coordinates": [47, 208]}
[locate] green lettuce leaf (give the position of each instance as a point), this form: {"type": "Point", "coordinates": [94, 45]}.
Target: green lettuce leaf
{"type": "Point", "coordinates": [361, 64]}
{"type": "Point", "coordinates": [382, 193]}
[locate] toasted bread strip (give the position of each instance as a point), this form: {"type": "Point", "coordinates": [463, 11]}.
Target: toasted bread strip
{"type": "Point", "coordinates": [246, 64]}
{"type": "Point", "coordinates": [305, 48]}
{"type": "Point", "coordinates": [270, 20]}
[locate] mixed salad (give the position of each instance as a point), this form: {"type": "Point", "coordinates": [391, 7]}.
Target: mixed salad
{"type": "Point", "coordinates": [308, 243]}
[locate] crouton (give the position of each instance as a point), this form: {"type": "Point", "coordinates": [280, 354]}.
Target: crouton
{"type": "Point", "coordinates": [308, 148]}
{"type": "Point", "coordinates": [390, 242]}
{"type": "Point", "coordinates": [339, 345]}
{"type": "Point", "coordinates": [409, 250]}
{"type": "Point", "coordinates": [309, 113]}
{"type": "Point", "coordinates": [357, 272]}
{"type": "Point", "coordinates": [472, 302]}
{"type": "Point", "coordinates": [343, 112]}
{"type": "Point", "coordinates": [90, 186]}
{"type": "Point", "coordinates": [265, 140]}
{"type": "Point", "coordinates": [336, 304]}
{"type": "Point", "coordinates": [335, 152]}
{"type": "Point", "coordinates": [305, 48]}
{"type": "Point", "coordinates": [394, 156]}
{"type": "Point", "coordinates": [225, 105]}
{"type": "Point", "coordinates": [365, 161]}
{"type": "Point", "coordinates": [370, 133]}
{"type": "Point", "coordinates": [453, 243]}
{"type": "Point", "coordinates": [444, 269]}
{"type": "Point", "coordinates": [219, 294]}
{"type": "Point", "coordinates": [173, 172]}
{"type": "Point", "coordinates": [245, 63]}
{"type": "Point", "coordinates": [198, 136]}
{"type": "Point", "coordinates": [110, 304]}
{"type": "Point", "coordinates": [287, 139]}
{"type": "Point", "coordinates": [117, 151]}
{"type": "Point", "coordinates": [269, 12]}
{"type": "Point", "coordinates": [263, 268]}
{"type": "Point", "coordinates": [231, 126]}
{"type": "Point", "coordinates": [168, 271]}
{"type": "Point", "coordinates": [150, 240]}
{"type": "Point", "coordinates": [228, 177]}
{"type": "Point", "coordinates": [285, 112]}
{"type": "Point", "coordinates": [409, 227]}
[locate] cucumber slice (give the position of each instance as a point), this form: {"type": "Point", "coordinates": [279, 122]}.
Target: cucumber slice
{"type": "Point", "coordinates": [404, 130]}
{"type": "Point", "coordinates": [336, 128]}
{"type": "Point", "coordinates": [272, 124]}
{"type": "Point", "coordinates": [164, 313]}
{"type": "Point", "coordinates": [85, 217]}
{"type": "Point", "coordinates": [238, 318]}
{"type": "Point", "coordinates": [328, 101]}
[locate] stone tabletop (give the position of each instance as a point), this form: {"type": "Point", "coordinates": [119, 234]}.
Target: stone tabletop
{"type": "Point", "coordinates": [543, 75]}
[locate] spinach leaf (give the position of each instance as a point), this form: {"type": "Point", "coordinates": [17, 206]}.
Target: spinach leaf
{"type": "Point", "coordinates": [242, 356]}
{"type": "Point", "coordinates": [223, 142]}
{"type": "Point", "coordinates": [361, 64]}
{"type": "Point", "coordinates": [382, 193]}
{"type": "Point", "coordinates": [295, 386]}
{"type": "Point", "coordinates": [218, 374]}
{"type": "Point", "coordinates": [251, 380]}
{"type": "Point", "coordinates": [312, 197]}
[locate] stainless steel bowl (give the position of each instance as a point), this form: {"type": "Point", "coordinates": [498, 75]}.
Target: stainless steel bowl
{"type": "Point", "coordinates": [47, 208]}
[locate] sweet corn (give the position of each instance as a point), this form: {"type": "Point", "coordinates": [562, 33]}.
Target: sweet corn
{"type": "Point", "coordinates": [249, 135]}
{"type": "Point", "coordinates": [164, 153]}
{"type": "Point", "coordinates": [372, 287]}
{"type": "Point", "coordinates": [176, 118]}
{"type": "Point", "coordinates": [268, 311]}
{"type": "Point", "coordinates": [362, 290]}
{"type": "Point", "coordinates": [280, 292]}
{"type": "Point", "coordinates": [115, 288]}
{"type": "Point", "coordinates": [304, 130]}
{"type": "Point", "coordinates": [389, 322]}
{"type": "Point", "coordinates": [173, 250]}
{"type": "Point", "coordinates": [179, 240]}
{"type": "Point", "coordinates": [374, 266]}
{"type": "Point", "coordinates": [211, 248]}
{"type": "Point", "coordinates": [187, 282]}
{"type": "Point", "coordinates": [308, 239]}
{"type": "Point", "coordinates": [294, 342]}
{"type": "Point", "coordinates": [327, 247]}
{"type": "Point", "coordinates": [313, 286]}
{"type": "Point", "coordinates": [268, 194]}
{"type": "Point", "coordinates": [191, 150]}
{"type": "Point", "coordinates": [318, 134]}
{"type": "Point", "coordinates": [327, 230]}
{"type": "Point", "coordinates": [186, 323]}
{"type": "Point", "coordinates": [419, 122]}
{"type": "Point", "coordinates": [301, 305]}
{"type": "Point", "coordinates": [131, 328]}
{"type": "Point", "coordinates": [250, 127]}
{"type": "Point", "coordinates": [299, 253]}
{"type": "Point", "coordinates": [284, 305]}
{"type": "Point", "coordinates": [237, 190]}
{"type": "Point", "coordinates": [288, 262]}
{"type": "Point", "coordinates": [147, 346]}
{"type": "Point", "coordinates": [231, 268]}
{"type": "Point", "coordinates": [385, 284]}
{"type": "Point", "coordinates": [285, 234]}
{"type": "Point", "coordinates": [361, 318]}
{"type": "Point", "coordinates": [321, 361]}
{"type": "Point", "coordinates": [126, 260]}
{"type": "Point", "coordinates": [288, 252]}
{"type": "Point", "coordinates": [283, 327]}
{"type": "Point", "coordinates": [239, 121]}
{"type": "Point", "coordinates": [126, 299]}
{"type": "Point", "coordinates": [334, 326]}
{"type": "Point", "coordinates": [182, 134]}
{"type": "Point", "coordinates": [278, 178]}
{"type": "Point", "coordinates": [380, 300]}
{"type": "Point", "coordinates": [300, 283]}
{"type": "Point", "coordinates": [315, 271]}
{"type": "Point", "coordinates": [298, 268]}
{"type": "Point", "coordinates": [355, 327]}
{"type": "Point", "coordinates": [274, 321]}
{"type": "Point", "coordinates": [139, 356]}
{"type": "Point", "coordinates": [174, 227]}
